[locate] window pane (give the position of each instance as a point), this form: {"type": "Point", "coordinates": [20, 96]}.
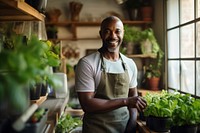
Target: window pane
{"type": "Point", "coordinates": [173, 75]}
{"type": "Point", "coordinates": [198, 78]}
{"type": "Point", "coordinates": [198, 8]}
{"type": "Point", "coordinates": [172, 13]}
{"type": "Point", "coordinates": [187, 41]}
{"type": "Point", "coordinates": [187, 10]}
{"type": "Point", "coordinates": [187, 76]}
{"type": "Point", "coordinates": [198, 39]}
{"type": "Point", "coordinates": [173, 43]}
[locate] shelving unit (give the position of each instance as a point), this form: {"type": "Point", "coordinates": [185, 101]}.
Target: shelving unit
{"type": "Point", "coordinates": [74, 25]}
{"type": "Point", "coordinates": [15, 10]}
{"type": "Point", "coordinates": [40, 100]}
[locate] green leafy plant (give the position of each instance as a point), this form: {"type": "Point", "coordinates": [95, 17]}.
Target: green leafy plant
{"type": "Point", "coordinates": [160, 105]}
{"type": "Point", "coordinates": [182, 108]}
{"type": "Point", "coordinates": [67, 123]}
{"type": "Point", "coordinates": [131, 34]}
{"type": "Point", "coordinates": [24, 63]}
{"type": "Point", "coordinates": [155, 66]}
{"type": "Point", "coordinates": [187, 112]}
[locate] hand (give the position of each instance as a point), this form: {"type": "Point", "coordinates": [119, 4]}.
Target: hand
{"type": "Point", "coordinates": [137, 102]}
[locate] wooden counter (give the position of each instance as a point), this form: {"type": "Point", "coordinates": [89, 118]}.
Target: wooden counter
{"type": "Point", "coordinates": [143, 92]}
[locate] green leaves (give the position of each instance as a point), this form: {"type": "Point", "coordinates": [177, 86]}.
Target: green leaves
{"type": "Point", "coordinates": [182, 108]}
{"type": "Point", "coordinates": [23, 62]}
{"type": "Point", "coordinates": [66, 123]}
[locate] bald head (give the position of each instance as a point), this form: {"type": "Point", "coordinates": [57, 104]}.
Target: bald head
{"type": "Point", "coordinates": [109, 20]}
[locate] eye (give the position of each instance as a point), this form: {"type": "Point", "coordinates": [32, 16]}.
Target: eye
{"type": "Point", "coordinates": [106, 31]}
{"type": "Point", "coordinates": [118, 31]}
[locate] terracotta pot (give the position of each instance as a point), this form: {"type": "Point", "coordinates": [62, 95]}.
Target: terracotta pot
{"type": "Point", "coordinates": [153, 83]}
{"type": "Point", "coordinates": [147, 13]}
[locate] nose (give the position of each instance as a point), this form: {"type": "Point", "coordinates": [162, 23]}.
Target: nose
{"type": "Point", "coordinates": [113, 35]}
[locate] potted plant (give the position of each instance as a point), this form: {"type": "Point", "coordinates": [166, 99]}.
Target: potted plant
{"type": "Point", "coordinates": [159, 110]}
{"type": "Point", "coordinates": [146, 10]}
{"type": "Point", "coordinates": [131, 39]}
{"type": "Point", "coordinates": [153, 70]}
{"type": "Point", "coordinates": [22, 62]}
{"type": "Point", "coordinates": [133, 7]}
{"type": "Point", "coordinates": [186, 115]}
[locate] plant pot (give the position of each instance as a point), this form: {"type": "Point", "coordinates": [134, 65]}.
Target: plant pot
{"type": "Point", "coordinates": [53, 15]}
{"type": "Point", "coordinates": [153, 83]}
{"type": "Point", "coordinates": [184, 129]}
{"type": "Point", "coordinates": [158, 124]}
{"type": "Point", "coordinates": [52, 35]}
{"type": "Point", "coordinates": [39, 5]}
{"type": "Point", "coordinates": [129, 47]}
{"type": "Point", "coordinates": [133, 14]}
{"type": "Point", "coordinates": [35, 92]}
{"type": "Point", "coordinates": [147, 13]}
{"type": "Point", "coordinates": [44, 88]}
{"type": "Point", "coordinates": [146, 47]}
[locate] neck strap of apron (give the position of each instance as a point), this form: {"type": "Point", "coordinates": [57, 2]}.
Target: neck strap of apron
{"type": "Point", "coordinates": [103, 66]}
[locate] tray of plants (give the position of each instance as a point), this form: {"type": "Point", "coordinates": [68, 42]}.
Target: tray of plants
{"type": "Point", "coordinates": [36, 122]}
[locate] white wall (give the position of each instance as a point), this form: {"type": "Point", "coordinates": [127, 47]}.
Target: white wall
{"type": "Point", "coordinates": [96, 9]}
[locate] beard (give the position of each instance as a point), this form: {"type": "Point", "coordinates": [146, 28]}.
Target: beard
{"type": "Point", "coordinates": [111, 49]}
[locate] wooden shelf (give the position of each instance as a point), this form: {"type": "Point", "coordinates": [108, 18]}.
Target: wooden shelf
{"type": "Point", "coordinates": [142, 56]}
{"type": "Point", "coordinates": [15, 10]}
{"type": "Point", "coordinates": [74, 25]}
{"type": "Point", "coordinates": [39, 101]}
{"type": "Point", "coordinates": [68, 23]}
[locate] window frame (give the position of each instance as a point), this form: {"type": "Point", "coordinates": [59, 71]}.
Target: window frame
{"type": "Point", "coordinates": [179, 59]}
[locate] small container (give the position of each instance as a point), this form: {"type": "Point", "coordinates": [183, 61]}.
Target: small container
{"type": "Point", "coordinates": [37, 127]}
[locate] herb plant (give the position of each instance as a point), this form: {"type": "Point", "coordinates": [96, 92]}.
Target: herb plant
{"type": "Point", "coordinates": [66, 123]}
{"type": "Point", "coordinates": [187, 111]}
{"type": "Point", "coordinates": [182, 108]}
{"type": "Point", "coordinates": [160, 105]}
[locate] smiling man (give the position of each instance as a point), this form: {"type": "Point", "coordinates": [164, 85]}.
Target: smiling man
{"type": "Point", "coordinates": [106, 83]}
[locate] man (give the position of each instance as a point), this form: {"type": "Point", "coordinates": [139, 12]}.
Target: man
{"type": "Point", "coordinates": [106, 85]}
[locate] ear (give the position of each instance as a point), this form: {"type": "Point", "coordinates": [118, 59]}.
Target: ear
{"type": "Point", "coordinates": [100, 33]}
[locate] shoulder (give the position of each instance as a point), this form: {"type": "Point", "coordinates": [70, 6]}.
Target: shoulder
{"type": "Point", "coordinates": [91, 57]}
{"type": "Point", "coordinates": [89, 61]}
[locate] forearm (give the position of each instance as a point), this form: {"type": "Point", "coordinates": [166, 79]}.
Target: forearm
{"type": "Point", "coordinates": [96, 105]}
{"type": "Point", "coordinates": [132, 123]}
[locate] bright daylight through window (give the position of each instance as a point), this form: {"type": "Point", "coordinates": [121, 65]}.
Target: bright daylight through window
{"type": "Point", "coordinates": [183, 45]}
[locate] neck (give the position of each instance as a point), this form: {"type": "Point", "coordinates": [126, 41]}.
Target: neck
{"type": "Point", "coordinates": [113, 56]}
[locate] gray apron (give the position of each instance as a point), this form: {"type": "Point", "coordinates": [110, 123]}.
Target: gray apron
{"type": "Point", "coordinates": [111, 86]}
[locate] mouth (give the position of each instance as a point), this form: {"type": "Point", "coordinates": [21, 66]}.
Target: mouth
{"type": "Point", "coordinates": [113, 43]}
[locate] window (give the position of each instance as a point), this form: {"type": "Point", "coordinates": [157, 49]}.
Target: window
{"type": "Point", "coordinates": [183, 46]}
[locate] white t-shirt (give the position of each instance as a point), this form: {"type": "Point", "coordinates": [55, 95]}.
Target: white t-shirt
{"type": "Point", "coordinates": [88, 71]}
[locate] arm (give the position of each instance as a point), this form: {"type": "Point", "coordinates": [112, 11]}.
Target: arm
{"type": "Point", "coordinates": [131, 126]}
{"type": "Point", "coordinates": [95, 105]}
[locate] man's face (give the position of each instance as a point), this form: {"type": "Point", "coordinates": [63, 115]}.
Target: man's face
{"type": "Point", "coordinates": [112, 34]}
